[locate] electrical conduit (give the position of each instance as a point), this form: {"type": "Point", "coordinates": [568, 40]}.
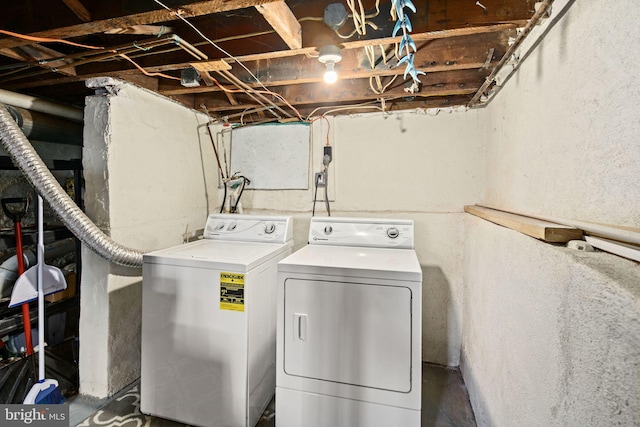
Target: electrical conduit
{"type": "Point", "coordinates": [36, 172]}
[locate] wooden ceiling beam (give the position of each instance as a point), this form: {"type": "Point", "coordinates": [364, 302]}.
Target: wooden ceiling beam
{"type": "Point", "coordinates": [438, 52]}
{"type": "Point", "coordinates": [464, 82]}
{"type": "Point", "coordinates": [78, 8]}
{"type": "Point", "coordinates": [463, 53]}
{"type": "Point", "coordinates": [47, 58]}
{"type": "Point", "coordinates": [283, 21]}
{"type": "Point", "coordinates": [143, 18]}
{"type": "Point", "coordinates": [488, 33]}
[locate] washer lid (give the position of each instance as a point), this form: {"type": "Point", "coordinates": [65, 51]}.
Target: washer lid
{"type": "Point", "coordinates": [380, 263]}
{"type": "Point", "coordinates": [206, 253]}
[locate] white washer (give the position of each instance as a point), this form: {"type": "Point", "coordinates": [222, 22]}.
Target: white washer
{"type": "Point", "coordinates": [349, 327]}
{"type": "Point", "coordinates": [209, 322]}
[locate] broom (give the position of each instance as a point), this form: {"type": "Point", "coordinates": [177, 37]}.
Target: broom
{"type": "Point", "coordinates": [45, 391]}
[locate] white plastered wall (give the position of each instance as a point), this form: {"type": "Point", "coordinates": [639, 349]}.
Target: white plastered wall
{"type": "Point", "coordinates": [552, 337]}
{"type": "Point", "coordinates": [148, 180]}
{"type": "Point", "coordinates": [403, 165]}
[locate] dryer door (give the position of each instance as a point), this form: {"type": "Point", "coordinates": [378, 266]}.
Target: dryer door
{"type": "Point", "coordinates": [348, 333]}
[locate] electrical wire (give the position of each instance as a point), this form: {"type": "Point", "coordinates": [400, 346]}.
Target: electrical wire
{"type": "Point", "coordinates": [145, 72]}
{"type": "Point", "coordinates": [328, 126]}
{"type": "Point", "coordinates": [212, 43]}
{"type": "Point", "coordinates": [245, 181]}
{"type": "Point", "coordinates": [224, 197]}
{"type": "Point", "coordinates": [326, 190]}
{"type": "Point", "coordinates": [223, 39]}
{"type": "Point", "coordinates": [48, 40]}
{"type": "Point", "coordinates": [113, 52]}
{"type": "Point", "coordinates": [315, 196]}
{"type": "Point", "coordinates": [344, 107]}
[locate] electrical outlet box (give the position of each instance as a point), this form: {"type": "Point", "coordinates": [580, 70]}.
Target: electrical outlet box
{"type": "Point", "coordinates": [320, 179]}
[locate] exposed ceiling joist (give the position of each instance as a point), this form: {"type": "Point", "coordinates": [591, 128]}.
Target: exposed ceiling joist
{"type": "Point", "coordinates": [78, 8]}
{"type": "Point", "coordinates": [283, 21]}
{"type": "Point", "coordinates": [265, 52]}
{"type": "Point", "coordinates": [144, 18]}
{"type": "Point", "coordinates": [46, 58]}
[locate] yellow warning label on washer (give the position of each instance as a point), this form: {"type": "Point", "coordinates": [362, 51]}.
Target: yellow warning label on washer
{"type": "Point", "coordinates": [231, 291]}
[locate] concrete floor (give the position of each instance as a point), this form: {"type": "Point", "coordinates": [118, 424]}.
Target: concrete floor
{"type": "Point", "coordinates": [445, 403]}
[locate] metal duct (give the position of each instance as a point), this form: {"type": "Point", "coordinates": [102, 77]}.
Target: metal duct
{"type": "Point", "coordinates": [27, 160]}
{"type": "Point", "coordinates": [44, 127]}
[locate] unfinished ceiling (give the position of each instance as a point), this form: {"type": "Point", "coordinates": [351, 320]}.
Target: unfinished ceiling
{"type": "Point", "coordinates": [257, 60]}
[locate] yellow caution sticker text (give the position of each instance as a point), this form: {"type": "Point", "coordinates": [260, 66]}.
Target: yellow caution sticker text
{"type": "Point", "coordinates": [231, 291]}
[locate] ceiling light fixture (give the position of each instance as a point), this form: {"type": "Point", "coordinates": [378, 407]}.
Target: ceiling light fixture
{"type": "Point", "coordinates": [330, 55]}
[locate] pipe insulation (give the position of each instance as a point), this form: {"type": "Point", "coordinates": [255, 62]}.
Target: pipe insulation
{"type": "Point", "coordinates": [40, 177]}
{"type": "Point", "coordinates": [41, 105]}
{"type": "Point", "coordinates": [45, 127]}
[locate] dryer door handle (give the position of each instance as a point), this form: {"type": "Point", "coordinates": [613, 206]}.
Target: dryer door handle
{"type": "Point", "coordinates": [300, 325]}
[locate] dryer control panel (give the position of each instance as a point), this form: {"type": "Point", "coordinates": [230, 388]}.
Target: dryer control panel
{"type": "Point", "coordinates": [249, 228]}
{"type": "Point", "coordinates": [377, 233]}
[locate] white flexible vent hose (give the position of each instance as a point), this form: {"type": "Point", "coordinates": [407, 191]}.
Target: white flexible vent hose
{"type": "Point", "coordinates": [27, 160]}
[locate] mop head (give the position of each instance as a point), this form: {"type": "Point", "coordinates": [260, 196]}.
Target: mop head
{"type": "Point", "coordinates": [44, 392]}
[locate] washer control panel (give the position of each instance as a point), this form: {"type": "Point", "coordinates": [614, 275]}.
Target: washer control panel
{"type": "Point", "coordinates": [382, 233]}
{"type": "Point", "coordinates": [249, 228]}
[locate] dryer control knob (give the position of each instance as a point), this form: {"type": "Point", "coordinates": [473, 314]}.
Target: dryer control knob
{"type": "Point", "coordinates": [232, 226]}
{"type": "Point", "coordinates": [393, 232]}
{"type": "Point", "coordinates": [328, 229]}
{"type": "Point", "coordinates": [269, 228]}
{"type": "Point", "coordinates": [219, 226]}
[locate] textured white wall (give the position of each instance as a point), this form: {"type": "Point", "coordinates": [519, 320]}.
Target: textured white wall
{"type": "Point", "coordinates": [404, 165]}
{"type": "Point", "coordinates": [552, 337]}
{"type": "Point", "coordinates": [149, 174]}
{"type": "Point", "coordinates": [565, 128]}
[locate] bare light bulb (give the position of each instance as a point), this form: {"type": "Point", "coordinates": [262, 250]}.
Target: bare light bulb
{"type": "Point", "coordinates": [329, 55]}
{"type": "Point", "coordinates": [330, 76]}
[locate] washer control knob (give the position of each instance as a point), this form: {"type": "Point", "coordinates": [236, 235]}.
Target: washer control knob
{"type": "Point", "coordinates": [232, 226]}
{"type": "Point", "coordinates": [393, 232]}
{"type": "Point", "coordinates": [328, 229]}
{"type": "Point", "coordinates": [219, 226]}
{"type": "Point", "coordinates": [269, 228]}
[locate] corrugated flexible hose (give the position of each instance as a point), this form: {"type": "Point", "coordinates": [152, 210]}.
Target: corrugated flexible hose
{"type": "Point", "coordinates": [40, 177]}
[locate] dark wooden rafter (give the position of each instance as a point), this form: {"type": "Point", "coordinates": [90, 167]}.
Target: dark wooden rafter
{"type": "Point", "coordinates": [144, 18]}
{"type": "Point", "coordinates": [44, 56]}
{"type": "Point", "coordinates": [451, 50]}
{"type": "Point", "coordinates": [79, 9]}
{"type": "Point", "coordinates": [463, 82]}
{"type": "Point", "coordinates": [437, 55]}
{"type": "Point", "coordinates": [283, 21]}
{"type": "Point", "coordinates": [459, 47]}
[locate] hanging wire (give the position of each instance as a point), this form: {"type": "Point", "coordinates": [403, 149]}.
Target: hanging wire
{"type": "Point", "coordinates": [113, 52]}
{"type": "Point", "coordinates": [248, 90]}
{"type": "Point", "coordinates": [145, 72]}
{"type": "Point", "coordinates": [48, 40]}
{"type": "Point", "coordinates": [211, 42]}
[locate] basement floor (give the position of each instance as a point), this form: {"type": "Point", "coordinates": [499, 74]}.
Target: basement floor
{"type": "Point", "coordinates": [445, 403]}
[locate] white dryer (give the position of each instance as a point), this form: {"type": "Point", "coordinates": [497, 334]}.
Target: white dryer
{"type": "Point", "coordinates": [349, 327]}
{"type": "Point", "coordinates": [209, 322]}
